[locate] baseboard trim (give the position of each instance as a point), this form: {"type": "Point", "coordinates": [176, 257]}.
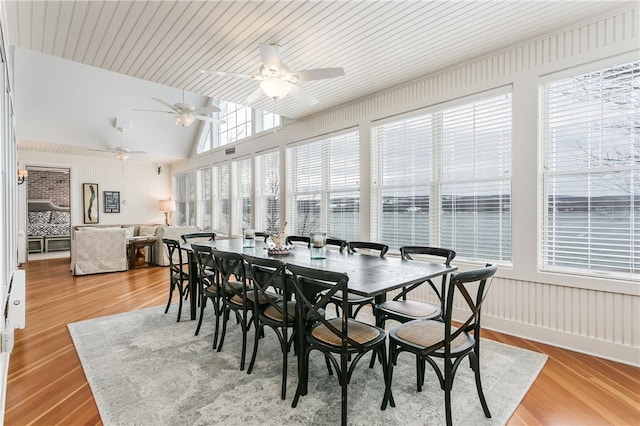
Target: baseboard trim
{"type": "Point", "coordinates": [612, 351]}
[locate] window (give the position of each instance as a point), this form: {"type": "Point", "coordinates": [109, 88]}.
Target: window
{"type": "Point", "coordinates": [268, 192]}
{"type": "Point", "coordinates": [237, 123]}
{"type": "Point", "coordinates": [443, 178]}
{"type": "Point", "coordinates": [185, 197]}
{"type": "Point", "coordinates": [590, 148]}
{"type": "Point", "coordinates": [204, 198]}
{"type": "Point", "coordinates": [401, 182]}
{"type": "Point", "coordinates": [221, 199]}
{"type": "Point", "coordinates": [474, 167]}
{"type": "Point", "coordinates": [240, 122]}
{"type": "Point", "coordinates": [324, 187]}
{"type": "Point", "coordinates": [241, 195]}
{"type": "Point", "coordinates": [267, 120]}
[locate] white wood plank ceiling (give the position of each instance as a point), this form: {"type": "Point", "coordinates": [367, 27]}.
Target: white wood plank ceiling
{"type": "Point", "coordinates": [380, 44]}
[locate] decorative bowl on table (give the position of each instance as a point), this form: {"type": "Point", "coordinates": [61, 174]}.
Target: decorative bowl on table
{"type": "Point", "coordinates": [277, 244]}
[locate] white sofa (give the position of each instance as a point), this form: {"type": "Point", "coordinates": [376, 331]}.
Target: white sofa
{"type": "Point", "coordinates": [102, 248]}
{"type": "Point", "coordinates": [98, 250]}
{"type": "Point", "coordinates": [174, 233]}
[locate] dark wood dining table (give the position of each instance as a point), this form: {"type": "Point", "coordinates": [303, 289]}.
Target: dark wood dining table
{"type": "Point", "coordinates": [369, 275]}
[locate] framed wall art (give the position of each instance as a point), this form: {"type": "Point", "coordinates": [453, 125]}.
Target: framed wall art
{"type": "Point", "coordinates": [112, 201]}
{"type": "Point", "coordinates": [90, 202]}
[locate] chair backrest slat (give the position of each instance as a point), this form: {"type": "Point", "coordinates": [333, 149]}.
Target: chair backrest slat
{"type": "Point", "coordinates": [354, 245]}
{"type": "Point", "coordinates": [460, 283]}
{"type": "Point", "coordinates": [173, 251]}
{"type": "Point", "coordinates": [309, 285]}
{"type": "Point", "coordinates": [198, 236]}
{"type": "Point", "coordinates": [266, 273]}
{"type": "Point", "coordinates": [228, 264]}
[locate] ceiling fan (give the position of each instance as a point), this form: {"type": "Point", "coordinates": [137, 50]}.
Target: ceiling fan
{"type": "Point", "coordinates": [276, 81]}
{"type": "Point", "coordinates": [185, 114]}
{"type": "Point", "coordinates": [121, 152]}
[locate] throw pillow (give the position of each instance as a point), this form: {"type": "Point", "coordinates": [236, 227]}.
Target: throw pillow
{"type": "Point", "coordinates": [147, 231]}
{"type": "Point", "coordinates": [60, 218]}
{"type": "Point", "coordinates": [39, 218]}
{"type": "Point", "coordinates": [129, 231]}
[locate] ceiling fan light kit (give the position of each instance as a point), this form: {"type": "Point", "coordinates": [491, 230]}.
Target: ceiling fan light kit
{"type": "Point", "coordinates": [276, 81]}
{"type": "Point", "coordinates": [186, 114]}
{"type": "Point", "coordinates": [275, 88]}
{"type": "Point", "coordinates": [184, 120]}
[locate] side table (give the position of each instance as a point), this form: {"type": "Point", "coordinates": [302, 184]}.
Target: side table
{"type": "Point", "coordinates": [141, 243]}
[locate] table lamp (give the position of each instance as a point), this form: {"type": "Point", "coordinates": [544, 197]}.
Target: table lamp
{"type": "Point", "coordinates": [166, 206]}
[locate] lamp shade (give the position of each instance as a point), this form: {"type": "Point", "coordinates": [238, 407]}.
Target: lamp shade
{"type": "Point", "coordinates": [167, 206]}
{"type": "Point", "coordinates": [275, 88]}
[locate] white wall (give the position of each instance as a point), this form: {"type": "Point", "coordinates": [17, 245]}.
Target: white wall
{"type": "Point", "coordinates": [64, 102]}
{"type": "Point", "coordinates": [138, 182]}
{"type": "Point", "coordinates": [594, 315]}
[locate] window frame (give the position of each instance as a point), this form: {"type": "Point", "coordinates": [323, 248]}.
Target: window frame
{"type": "Point", "coordinates": [543, 173]}
{"type": "Point", "coordinates": [324, 189]}
{"type": "Point", "coordinates": [435, 181]}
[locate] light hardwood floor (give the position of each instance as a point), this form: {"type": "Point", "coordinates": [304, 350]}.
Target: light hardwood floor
{"type": "Point", "coordinates": [47, 385]}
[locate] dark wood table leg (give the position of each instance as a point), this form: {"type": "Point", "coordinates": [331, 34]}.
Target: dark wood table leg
{"type": "Point", "coordinates": [193, 284]}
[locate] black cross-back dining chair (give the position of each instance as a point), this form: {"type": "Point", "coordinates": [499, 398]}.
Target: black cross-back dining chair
{"type": "Point", "coordinates": [400, 308]}
{"type": "Point", "coordinates": [336, 242]}
{"type": "Point", "coordinates": [355, 300]}
{"type": "Point", "coordinates": [178, 278]}
{"type": "Point", "coordinates": [293, 239]}
{"type": "Point", "coordinates": [429, 339]}
{"type": "Point", "coordinates": [263, 235]}
{"type": "Point", "coordinates": [198, 236]}
{"type": "Point", "coordinates": [341, 337]}
{"type": "Point", "coordinates": [276, 311]}
{"type": "Point", "coordinates": [208, 286]}
{"type": "Point", "coordinates": [235, 295]}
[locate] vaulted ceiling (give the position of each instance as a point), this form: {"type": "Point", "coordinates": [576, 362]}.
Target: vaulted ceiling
{"type": "Point", "coordinates": [380, 44]}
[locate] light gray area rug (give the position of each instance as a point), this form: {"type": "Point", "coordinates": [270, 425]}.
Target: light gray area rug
{"type": "Point", "coordinates": [144, 368]}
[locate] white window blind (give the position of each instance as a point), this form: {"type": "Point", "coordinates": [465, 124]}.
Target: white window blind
{"type": "Point", "coordinates": [241, 194]}
{"type": "Point", "coordinates": [323, 187]}
{"type": "Point", "coordinates": [590, 128]}
{"type": "Point", "coordinates": [443, 178]}
{"type": "Point", "coordinates": [204, 199]}
{"type": "Point", "coordinates": [267, 192]}
{"type": "Point", "coordinates": [474, 152]}
{"type": "Point", "coordinates": [185, 196]}
{"type": "Point", "coordinates": [221, 219]}
{"type": "Point", "coordinates": [401, 182]}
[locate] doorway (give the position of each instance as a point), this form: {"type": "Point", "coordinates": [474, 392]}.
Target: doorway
{"type": "Point", "coordinates": [48, 213]}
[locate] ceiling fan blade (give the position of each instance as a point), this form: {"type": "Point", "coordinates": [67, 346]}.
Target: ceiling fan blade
{"type": "Point", "coordinates": [209, 119]}
{"type": "Point", "coordinates": [167, 104]}
{"type": "Point", "coordinates": [301, 95]}
{"type": "Point", "coordinates": [316, 74]}
{"type": "Point", "coordinates": [137, 152]}
{"type": "Point", "coordinates": [153, 110]}
{"type": "Point", "coordinates": [207, 110]}
{"type": "Point", "coordinates": [254, 96]}
{"type": "Point", "coordinates": [229, 74]}
{"type": "Point", "coordinates": [101, 150]}
{"type": "Point", "coordinates": [270, 57]}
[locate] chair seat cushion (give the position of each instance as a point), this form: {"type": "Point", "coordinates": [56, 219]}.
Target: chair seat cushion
{"type": "Point", "coordinates": [425, 333]}
{"type": "Point", "coordinates": [358, 331]}
{"type": "Point", "coordinates": [411, 309]}
{"type": "Point", "coordinates": [263, 300]}
{"type": "Point", "coordinates": [210, 291]}
{"type": "Point", "coordinates": [234, 287]}
{"type": "Point", "coordinates": [277, 314]}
